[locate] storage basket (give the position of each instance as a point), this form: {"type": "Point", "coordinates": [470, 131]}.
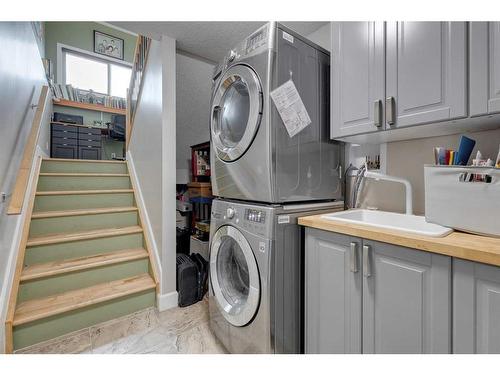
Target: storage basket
{"type": "Point", "coordinates": [463, 198]}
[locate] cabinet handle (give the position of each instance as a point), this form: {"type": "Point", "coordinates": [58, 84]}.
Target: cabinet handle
{"type": "Point", "coordinates": [354, 257]}
{"type": "Point", "coordinates": [377, 113]}
{"type": "Point", "coordinates": [389, 110]}
{"type": "Point", "coordinates": [367, 267]}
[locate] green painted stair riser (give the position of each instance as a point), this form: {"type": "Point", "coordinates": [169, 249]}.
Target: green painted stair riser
{"type": "Point", "coordinates": [76, 280]}
{"type": "Point", "coordinates": [77, 249]}
{"type": "Point", "coordinates": [83, 201]}
{"type": "Point", "coordinates": [51, 183]}
{"type": "Point", "coordinates": [58, 325]}
{"type": "Point", "coordinates": [71, 224]}
{"type": "Point", "coordinates": [51, 166]}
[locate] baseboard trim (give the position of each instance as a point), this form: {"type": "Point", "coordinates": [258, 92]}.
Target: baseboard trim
{"type": "Point", "coordinates": [166, 301]}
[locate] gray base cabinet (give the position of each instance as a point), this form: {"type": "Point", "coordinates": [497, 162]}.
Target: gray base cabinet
{"type": "Point", "coordinates": [476, 307]}
{"type": "Point", "coordinates": [401, 297]}
{"type": "Point", "coordinates": [333, 293]}
{"type": "Point", "coordinates": [406, 300]}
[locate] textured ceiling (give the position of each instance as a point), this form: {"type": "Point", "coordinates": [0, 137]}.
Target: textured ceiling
{"type": "Point", "coordinates": [209, 40]}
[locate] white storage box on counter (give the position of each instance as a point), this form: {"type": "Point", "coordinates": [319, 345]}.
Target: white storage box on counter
{"type": "Point", "coordinates": [463, 198]}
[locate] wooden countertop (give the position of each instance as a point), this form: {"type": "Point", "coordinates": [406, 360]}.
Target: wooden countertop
{"type": "Point", "coordinates": [456, 244]}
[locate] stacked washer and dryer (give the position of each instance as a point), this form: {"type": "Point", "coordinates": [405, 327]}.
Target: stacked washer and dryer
{"type": "Point", "coordinates": [264, 180]}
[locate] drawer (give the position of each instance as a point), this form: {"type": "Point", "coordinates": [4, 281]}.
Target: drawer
{"type": "Point", "coordinates": [92, 143]}
{"type": "Point", "coordinates": [64, 134]}
{"type": "Point", "coordinates": [64, 141]}
{"type": "Point", "coordinates": [65, 128]}
{"type": "Point", "coordinates": [82, 130]}
{"type": "Point", "coordinates": [89, 137]}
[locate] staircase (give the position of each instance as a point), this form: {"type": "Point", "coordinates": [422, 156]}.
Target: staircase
{"type": "Point", "coordinates": [84, 258]}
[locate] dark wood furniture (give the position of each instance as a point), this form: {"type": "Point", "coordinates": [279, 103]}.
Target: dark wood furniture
{"type": "Point", "coordinates": [70, 141]}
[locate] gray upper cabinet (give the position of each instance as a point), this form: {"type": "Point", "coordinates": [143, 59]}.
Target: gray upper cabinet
{"type": "Point", "coordinates": [476, 308]}
{"type": "Point", "coordinates": [358, 77]}
{"type": "Point", "coordinates": [484, 68]}
{"type": "Point", "coordinates": [406, 300]}
{"type": "Point", "coordinates": [332, 293]}
{"type": "Point", "coordinates": [426, 72]}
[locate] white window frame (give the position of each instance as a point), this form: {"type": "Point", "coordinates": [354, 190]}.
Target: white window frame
{"type": "Point", "coordinates": [61, 62]}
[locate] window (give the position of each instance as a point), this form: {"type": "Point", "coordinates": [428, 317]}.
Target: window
{"type": "Point", "coordinates": [99, 75]}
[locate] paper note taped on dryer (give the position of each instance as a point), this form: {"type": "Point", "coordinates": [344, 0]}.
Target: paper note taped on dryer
{"type": "Point", "coordinates": [289, 104]}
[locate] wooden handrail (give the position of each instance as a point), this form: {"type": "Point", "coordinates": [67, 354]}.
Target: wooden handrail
{"type": "Point", "coordinates": [136, 81]}
{"type": "Point", "coordinates": [17, 200]}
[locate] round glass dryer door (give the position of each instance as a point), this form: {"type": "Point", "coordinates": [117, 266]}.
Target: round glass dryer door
{"type": "Point", "coordinates": [236, 112]}
{"type": "Point", "coordinates": [234, 276]}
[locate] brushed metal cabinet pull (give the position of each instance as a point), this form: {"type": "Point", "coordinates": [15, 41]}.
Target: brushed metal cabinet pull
{"type": "Point", "coordinates": [354, 257]}
{"type": "Point", "coordinates": [377, 113]}
{"type": "Point", "coordinates": [389, 110]}
{"type": "Point", "coordinates": [367, 267]}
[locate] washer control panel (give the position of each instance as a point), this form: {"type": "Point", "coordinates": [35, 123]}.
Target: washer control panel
{"type": "Point", "coordinates": [255, 216]}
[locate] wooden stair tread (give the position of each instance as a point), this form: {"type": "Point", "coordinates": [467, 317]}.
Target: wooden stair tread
{"type": "Point", "coordinates": [85, 235]}
{"type": "Point", "coordinates": [37, 271]}
{"type": "Point", "coordinates": [60, 174]}
{"type": "Point", "coordinates": [86, 161]}
{"type": "Point", "coordinates": [80, 192]}
{"type": "Point", "coordinates": [81, 212]}
{"type": "Point", "coordinates": [36, 309]}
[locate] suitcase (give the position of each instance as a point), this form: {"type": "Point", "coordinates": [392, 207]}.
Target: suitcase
{"type": "Point", "coordinates": [202, 266]}
{"type": "Point", "coordinates": [187, 280]}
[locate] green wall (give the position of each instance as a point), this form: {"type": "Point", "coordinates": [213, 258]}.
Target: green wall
{"type": "Point", "coordinates": [81, 35]}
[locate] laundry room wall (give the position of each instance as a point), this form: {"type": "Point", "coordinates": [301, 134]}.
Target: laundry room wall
{"type": "Point", "coordinates": [193, 90]}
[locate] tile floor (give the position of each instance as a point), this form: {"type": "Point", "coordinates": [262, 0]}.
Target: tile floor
{"type": "Point", "coordinates": [175, 331]}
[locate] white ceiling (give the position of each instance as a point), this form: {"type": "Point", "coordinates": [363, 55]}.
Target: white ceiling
{"type": "Point", "coordinates": [208, 40]}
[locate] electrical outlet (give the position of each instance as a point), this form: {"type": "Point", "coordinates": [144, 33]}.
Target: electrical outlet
{"type": "Point", "coordinates": [47, 146]}
{"type": "Point", "coordinates": [113, 155]}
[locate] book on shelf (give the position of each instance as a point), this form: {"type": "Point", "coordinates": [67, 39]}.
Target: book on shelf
{"type": "Point", "coordinates": [68, 92]}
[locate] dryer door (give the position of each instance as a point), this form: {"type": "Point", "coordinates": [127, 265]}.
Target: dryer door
{"type": "Point", "coordinates": [234, 276]}
{"type": "Point", "coordinates": [236, 112]}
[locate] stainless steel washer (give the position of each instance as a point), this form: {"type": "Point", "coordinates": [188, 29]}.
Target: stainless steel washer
{"type": "Point", "coordinates": [255, 292]}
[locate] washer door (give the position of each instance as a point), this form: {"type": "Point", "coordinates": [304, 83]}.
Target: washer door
{"type": "Point", "coordinates": [234, 276]}
{"type": "Point", "coordinates": [236, 112]}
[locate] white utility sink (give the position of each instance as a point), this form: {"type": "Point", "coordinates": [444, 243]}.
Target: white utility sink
{"type": "Point", "coordinates": [390, 220]}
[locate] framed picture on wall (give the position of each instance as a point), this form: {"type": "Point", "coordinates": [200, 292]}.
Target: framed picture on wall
{"type": "Point", "coordinates": [108, 45]}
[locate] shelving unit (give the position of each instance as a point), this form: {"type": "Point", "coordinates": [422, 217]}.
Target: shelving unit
{"type": "Point", "coordinates": [89, 106]}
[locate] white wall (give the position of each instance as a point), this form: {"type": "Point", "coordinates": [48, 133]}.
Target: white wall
{"type": "Point", "coordinates": [152, 152]}
{"type": "Point", "coordinates": [146, 141]}
{"type": "Point", "coordinates": [322, 36]}
{"type": "Point", "coordinates": [169, 294]}
{"type": "Point", "coordinates": [21, 78]}
{"type": "Point", "coordinates": [193, 90]}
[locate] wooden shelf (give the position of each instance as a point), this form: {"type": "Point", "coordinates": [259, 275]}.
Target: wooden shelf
{"type": "Point", "coordinates": [88, 106]}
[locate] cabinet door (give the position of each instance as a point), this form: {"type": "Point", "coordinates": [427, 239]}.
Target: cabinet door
{"type": "Point", "coordinates": [484, 78]}
{"type": "Point", "coordinates": [406, 300]}
{"type": "Point", "coordinates": [357, 78]}
{"type": "Point", "coordinates": [476, 307]}
{"type": "Point", "coordinates": [332, 293]}
{"type": "Point", "coordinates": [426, 72]}
{"type": "Point", "coordinates": [64, 151]}
{"type": "Point", "coordinates": [89, 153]}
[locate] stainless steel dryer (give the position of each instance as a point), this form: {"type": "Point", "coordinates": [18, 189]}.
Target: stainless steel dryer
{"type": "Point", "coordinates": [255, 284]}
{"type": "Point", "coordinates": [253, 158]}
